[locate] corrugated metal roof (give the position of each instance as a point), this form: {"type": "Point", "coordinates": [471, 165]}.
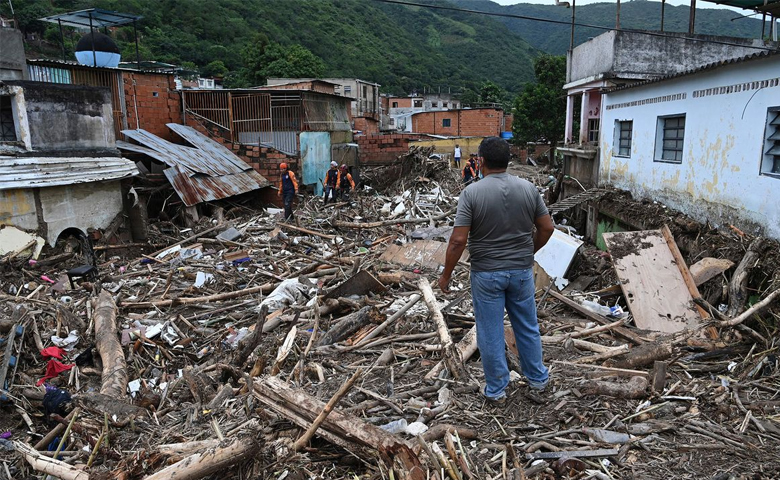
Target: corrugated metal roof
{"type": "Point", "coordinates": [709, 66]}
{"type": "Point", "coordinates": [35, 172]}
{"type": "Point", "coordinates": [207, 171]}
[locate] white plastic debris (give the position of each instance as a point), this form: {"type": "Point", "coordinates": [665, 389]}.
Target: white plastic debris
{"type": "Point", "coordinates": [68, 342]}
{"type": "Point", "coordinates": [416, 428]}
{"type": "Point", "coordinates": [289, 292]}
{"type": "Point", "coordinates": [202, 278]}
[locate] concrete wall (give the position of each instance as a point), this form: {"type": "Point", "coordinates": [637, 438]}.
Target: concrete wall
{"type": "Point", "coordinates": [718, 179]}
{"type": "Point", "coordinates": [81, 206]}
{"type": "Point", "coordinates": [13, 65]}
{"type": "Point", "coordinates": [635, 55]}
{"type": "Point", "coordinates": [468, 145]}
{"type": "Point", "coordinates": [68, 117]}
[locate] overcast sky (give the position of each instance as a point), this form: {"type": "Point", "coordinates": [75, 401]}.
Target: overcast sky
{"type": "Point", "coordinates": [700, 4]}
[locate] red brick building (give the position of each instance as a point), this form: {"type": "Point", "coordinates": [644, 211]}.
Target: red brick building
{"type": "Point", "coordinates": [474, 122]}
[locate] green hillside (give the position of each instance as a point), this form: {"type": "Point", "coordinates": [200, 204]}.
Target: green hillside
{"type": "Point", "coordinates": [643, 15]}
{"type": "Point", "coordinates": [403, 48]}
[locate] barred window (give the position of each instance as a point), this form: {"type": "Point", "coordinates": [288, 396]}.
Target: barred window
{"type": "Point", "coordinates": [672, 138]}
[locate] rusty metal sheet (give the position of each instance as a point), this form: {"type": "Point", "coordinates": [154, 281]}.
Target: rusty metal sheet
{"type": "Point", "coordinates": [203, 188]}
{"type": "Point", "coordinates": [205, 172]}
{"type": "Point", "coordinates": [30, 172]}
{"type": "Point", "coordinates": [213, 149]}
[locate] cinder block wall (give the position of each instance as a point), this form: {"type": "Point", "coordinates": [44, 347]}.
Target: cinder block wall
{"type": "Point", "coordinates": [383, 149]}
{"type": "Point", "coordinates": [152, 101]}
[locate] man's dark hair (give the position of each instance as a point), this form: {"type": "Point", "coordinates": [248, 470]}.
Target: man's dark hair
{"type": "Point", "coordinates": [494, 152]}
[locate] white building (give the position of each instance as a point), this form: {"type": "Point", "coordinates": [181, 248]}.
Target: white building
{"type": "Point", "coordinates": [705, 141]}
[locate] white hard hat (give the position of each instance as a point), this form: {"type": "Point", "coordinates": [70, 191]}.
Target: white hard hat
{"type": "Point", "coordinates": [334, 164]}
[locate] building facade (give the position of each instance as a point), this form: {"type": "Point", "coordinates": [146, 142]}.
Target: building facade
{"type": "Point", "coordinates": [705, 142]}
{"type": "Point", "coordinates": [470, 122]}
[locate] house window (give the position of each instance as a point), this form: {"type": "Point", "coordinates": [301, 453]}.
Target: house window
{"type": "Point", "coordinates": [365, 91]}
{"type": "Point", "coordinates": [593, 130]}
{"type": "Point", "coordinates": [418, 103]}
{"type": "Point", "coordinates": [623, 131]}
{"type": "Point", "coordinates": [347, 91]}
{"type": "Point", "coordinates": [446, 122]}
{"type": "Point", "coordinates": [669, 139]}
{"type": "Point", "coordinates": [7, 125]}
{"type": "Point", "coordinates": [395, 104]}
{"type": "Point", "coordinates": [771, 161]}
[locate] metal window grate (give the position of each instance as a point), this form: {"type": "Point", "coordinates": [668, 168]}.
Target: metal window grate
{"type": "Point", "coordinates": [446, 122]}
{"type": "Point", "coordinates": [624, 138]}
{"type": "Point", "coordinates": [593, 130]}
{"type": "Point", "coordinates": [772, 162]}
{"type": "Point", "coordinates": [673, 139]}
{"type": "Point", "coordinates": [7, 126]}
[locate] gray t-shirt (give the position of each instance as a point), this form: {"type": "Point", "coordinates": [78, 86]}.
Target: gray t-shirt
{"type": "Point", "coordinates": [501, 210]}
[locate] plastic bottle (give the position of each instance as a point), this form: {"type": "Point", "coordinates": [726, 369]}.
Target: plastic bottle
{"type": "Point", "coordinates": [397, 426]}
{"type": "Point", "coordinates": [596, 307]}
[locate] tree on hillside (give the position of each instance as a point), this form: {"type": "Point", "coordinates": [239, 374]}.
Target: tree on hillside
{"type": "Point", "coordinates": [540, 110]}
{"type": "Point", "coordinates": [489, 92]}
{"type": "Point", "coordinates": [294, 61]}
{"type": "Point", "coordinates": [214, 69]}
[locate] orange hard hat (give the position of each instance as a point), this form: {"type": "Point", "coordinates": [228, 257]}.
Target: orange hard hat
{"type": "Point", "coordinates": [282, 166]}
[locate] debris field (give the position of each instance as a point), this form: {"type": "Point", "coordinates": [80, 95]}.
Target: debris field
{"type": "Point", "coordinates": [249, 347]}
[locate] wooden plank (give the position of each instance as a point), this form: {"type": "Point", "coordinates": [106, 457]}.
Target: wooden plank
{"type": "Point", "coordinates": [683, 267]}
{"type": "Point", "coordinates": [652, 282]}
{"type": "Point", "coordinates": [603, 452]}
{"type": "Point", "coordinates": [424, 254]}
{"type": "Point", "coordinates": [359, 284]}
{"type": "Point", "coordinates": [708, 268]}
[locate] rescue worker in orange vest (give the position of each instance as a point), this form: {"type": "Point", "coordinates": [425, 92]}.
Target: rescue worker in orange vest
{"type": "Point", "coordinates": [468, 172]}
{"type": "Point", "coordinates": [331, 181]}
{"type": "Point", "coordinates": [346, 183]}
{"type": "Point", "coordinates": [288, 187]}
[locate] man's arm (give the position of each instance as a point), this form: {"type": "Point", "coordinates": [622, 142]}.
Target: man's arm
{"type": "Point", "coordinates": [544, 230]}
{"type": "Point", "coordinates": [455, 247]}
{"type": "Point", "coordinates": [294, 182]}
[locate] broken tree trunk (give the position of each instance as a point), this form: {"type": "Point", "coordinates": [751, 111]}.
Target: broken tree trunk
{"type": "Point", "coordinates": [201, 465]}
{"type": "Point", "coordinates": [738, 285]}
{"type": "Point", "coordinates": [265, 288]}
{"type": "Point", "coordinates": [350, 324]}
{"type": "Point", "coordinates": [383, 223]}
{"type": "Point", "coordinates": [309, 433]}
{"type": "Point", "coordinates": [466, 347]}
{"type": "Point", "coordinates": [452, 357]}
{"type": "Point", "coordinates": [635, 388]}
{"type": "Point", "coordinates": [622, 332]}
{"type": "Point", "coordinates": [114, 380]}
{"type": "Point", "coordinates": [643, 355]}
{"type": "Point", "coordinates": [347, 431]}
{"type": "Point", "coordinates": [50, 466]}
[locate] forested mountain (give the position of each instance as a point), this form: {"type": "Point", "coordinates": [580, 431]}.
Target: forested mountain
{"type": "Point", "coordinates": [637, 14]}
{"type": "Point", "coordinates": [405, 48]}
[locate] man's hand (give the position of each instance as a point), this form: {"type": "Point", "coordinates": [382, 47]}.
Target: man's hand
{"type": "Point", "coordinates": [444, 283]}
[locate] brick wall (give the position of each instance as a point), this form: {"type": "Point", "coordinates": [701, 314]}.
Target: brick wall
{"type": "Point", "coordinates": [152, 101]}
{"type": "Point", "coordinates": [508, 121]}
{"type": "Point", "coordinates": [383, 149]}
{"type": "Point", "coordinates": [478, 122]}
{"type": "Point", "coordinates": [265, 160]}
{"type": "Point", "coordinates": [367, 125]}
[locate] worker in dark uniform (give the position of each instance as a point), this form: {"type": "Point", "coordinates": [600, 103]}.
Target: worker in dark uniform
{"type": "Point", "coordinates": [468, 172]}
{"type": "Point", "coordinates": [331, 181]}
{"type": "Point", "coordinates": [346, 183]}
{"type": "Point", "coordinates": [288, 187]}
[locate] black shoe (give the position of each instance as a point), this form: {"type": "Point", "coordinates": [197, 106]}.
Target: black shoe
{"type": "Point", "coordinates": [495, 401]}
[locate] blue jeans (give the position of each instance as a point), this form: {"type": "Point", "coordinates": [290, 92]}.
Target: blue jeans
{"type": "Point", "coordinates": [330, 193]}
{"type": "Point", "coordinates": [491, 292]}
{"type": "Point", "coordinates": [288, 203]}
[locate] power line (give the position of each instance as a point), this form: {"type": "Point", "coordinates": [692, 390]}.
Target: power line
{"type": "Point", "coordinates": [568, 23]}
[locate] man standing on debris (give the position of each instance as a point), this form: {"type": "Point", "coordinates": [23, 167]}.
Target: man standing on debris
{"type": "Point", "coordinates": [345, 183]}
{"type": "Point", "coordinates": [497, 217]}
{"type": "Point", "coordinates": [288, 188]}
{"type": "Point", "coordinates": [457, 155]}
{"type": "Point", "coordinates": [331, 181]}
